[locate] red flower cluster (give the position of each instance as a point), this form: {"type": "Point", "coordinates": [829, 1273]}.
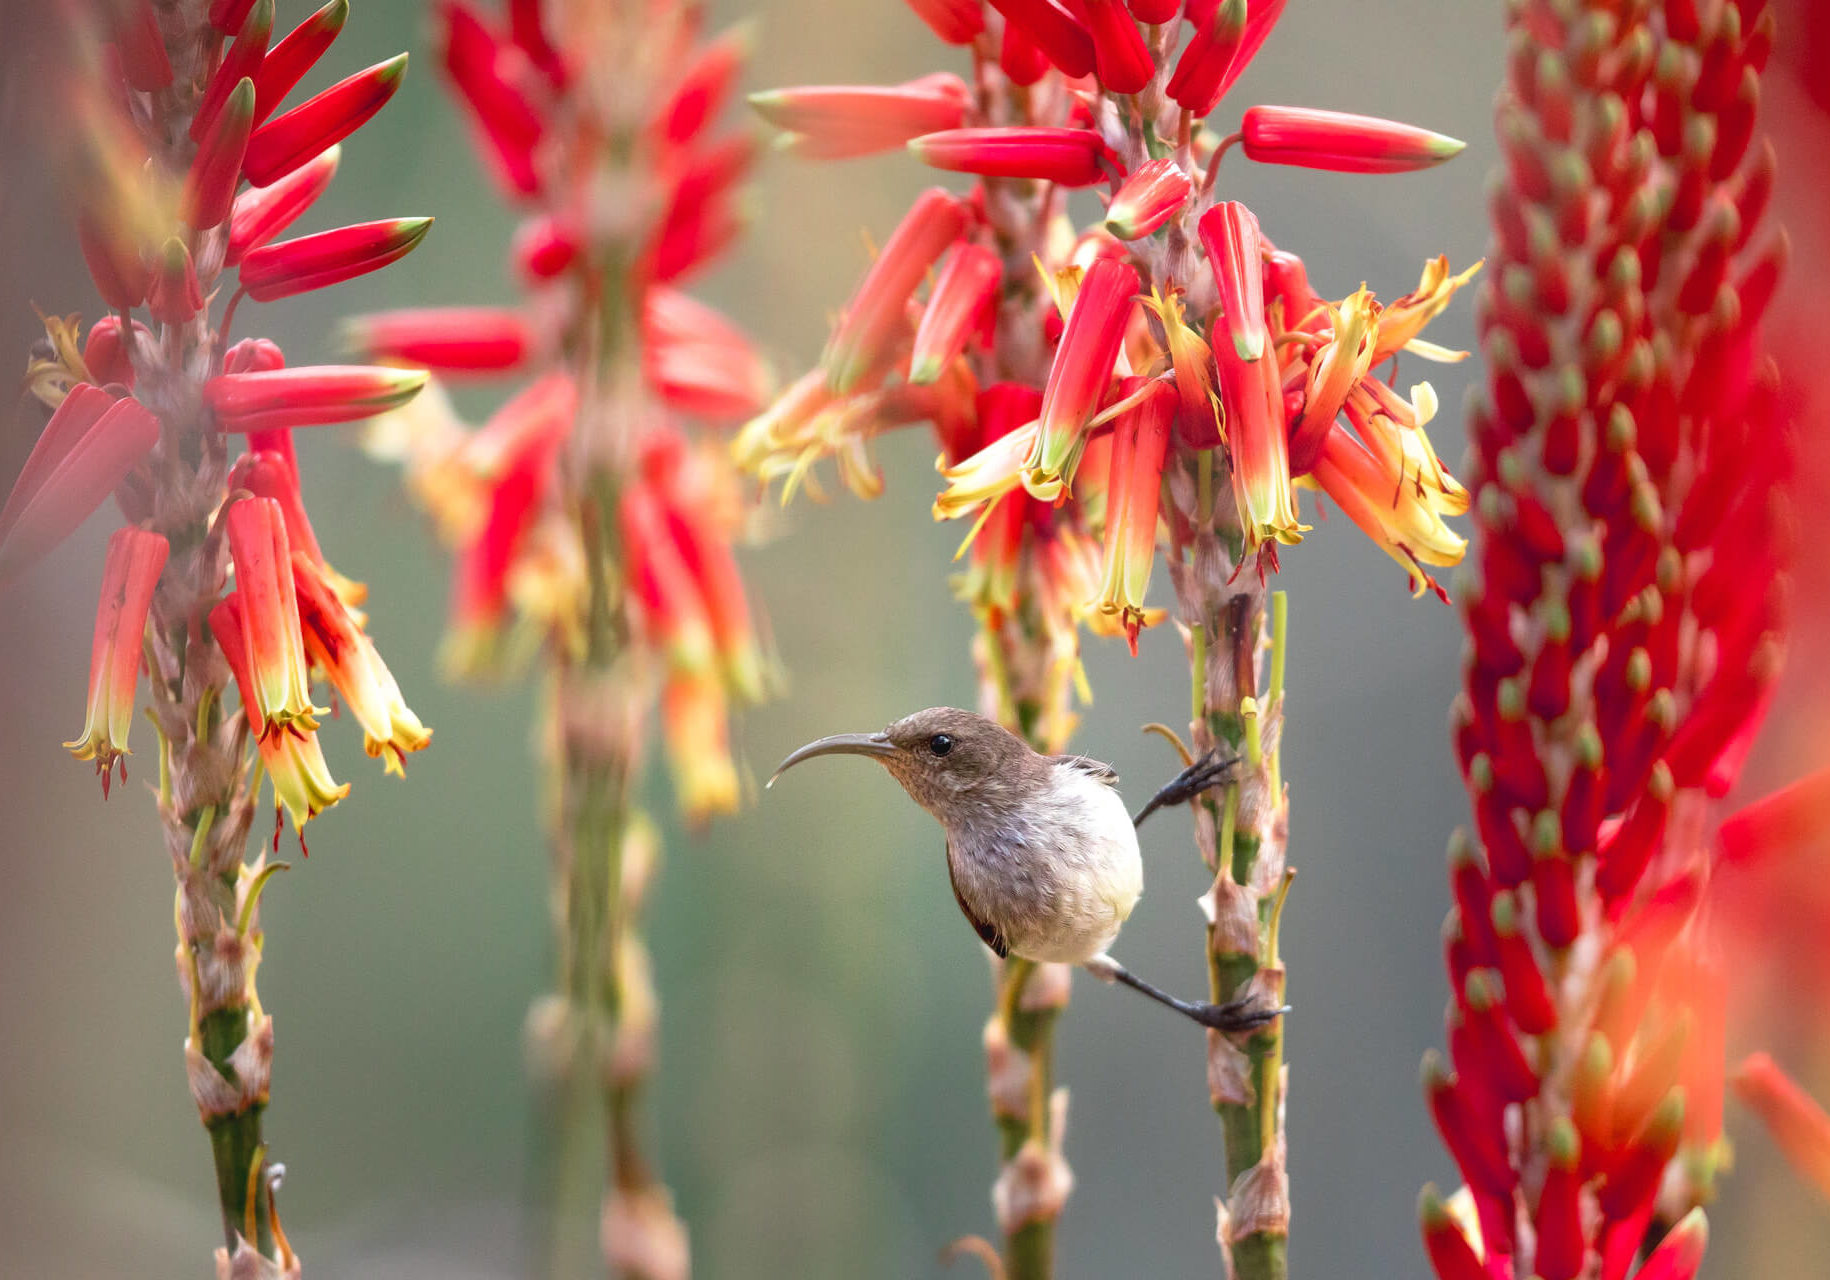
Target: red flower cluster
{"type": "Point", "coordinates": [1624, 636]}
{"type": "Point", "coordinates": [498, 493]}
{"type": "Point", "coordinates": [135, 404]}
{"type": "Point", "coordinates": [1081, 388]}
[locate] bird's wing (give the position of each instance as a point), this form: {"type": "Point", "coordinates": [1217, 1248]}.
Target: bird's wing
{"type": "Point", "coordinates": [1092, 768]}
{"type": "Point", "coordinates": [987, 931]}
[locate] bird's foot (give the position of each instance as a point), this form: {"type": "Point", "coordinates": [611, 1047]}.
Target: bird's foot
{"type": "Point", "coordinates": [1245, 1014]}
{"type": "Point", "coordinates": [1211, 770]}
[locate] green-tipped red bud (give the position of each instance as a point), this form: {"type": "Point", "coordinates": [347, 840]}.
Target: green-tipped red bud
{"type": "Point", "coordinates": [1155, 192]}
{"type": "Point", "coordinates": [1070, 157]}
{"type": "Point", "coordinates": [1452, 1257]}
{"type": "Point", "coordinates": [956, 309]}
{"type": "Point", "coordinates": [955, 21]}
{"type": "Point", "coordinates": [241, 62]}
{"type": "Point", "coordinates": [1080, 375]}
{"type": "Point", "coordinates": [1315, 139]}
{"type": "Point", "coordinates": [114, 263]}
{"type": "Point", "coordinates": [209, 187]}
{"type": "Point", "coordinates": [261, 213]}
{"type": "Point", "coordinates": [839, 121]}
{"type": "Point", "coordinates": [880, 306]}
{"type": "Point", "coordinates": [1680, 1253]}
{"type": "Point", "coordinates": [286, 142]}
{"type": "Point", "coordinates": [298, 53]}
{"type": "Point", "coordinates": [329, 257]}
{"type": "Point", "coordinates": [1054, 30]}
{"type": "Point", "coordinates": [1235, 252]}
{"type": "Point", "coordinates": [1200, 76]}
{"type": "Point", "coordinates": [129, 576]}
{"type": "Point", "coordinates": [173, 294]}
{"type": "Point", "coordinates": [308, 396]}
{"type": "Point", "coordinates": [446, 340]}
{"type": "Point", "coordinates": [1562, 1242]}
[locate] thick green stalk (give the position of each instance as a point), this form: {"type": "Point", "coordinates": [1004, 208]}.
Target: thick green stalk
{"type": "Point", "coordinates": [1240, 834]}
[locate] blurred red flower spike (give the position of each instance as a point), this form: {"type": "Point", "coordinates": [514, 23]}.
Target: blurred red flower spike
{"type": "Point", "coordinates": [328, 257]}
{"type": "Point", "coordinates": [527, 28]}
{"type": "Point", "coordinates": [271, 635]}
{"type": "Point", "coordinates": [1451, 1256]}
{"type": "Point", "coordinates": [1120, 59]}
{"type": "Point", "coordinates": [880, 305]}
{"type": "Point", "coordinates": [141, 45]}
{"type": "Point", "coordinates": [1070, 157]}
{"type": "Point", "coordinates": [173, 293]}
{"type": "Point", "coordinates": [955, 310]}
{"type": "Point", "coordinates": [1476, 1151]}
{"type": "Point", "coordinates": [1798, 1124]}
{"type": "Point", "coordinates": [1235, 251]}
{"type": "Point", "coordinates": [836, 122]}
{"type": "Point", "coordinates": [1056, 31]}
{"type": "Point", "coordinates": [704, 87]}
{"type": "Point", "coordinates": [1338, 141]}
{"type": "Point", "coordinates": [130, 574]}
{"type": "Point", "coordinates": [544, 246]}
{"type": "Point", "coordinates": [261, 213]}
{"type": "Point", "coordinates": [209, 187]}
{"type": "Point", "coordinates": [450, 341]}
{"type": "Point", "coordinates": [1680, 1253]}
{"type": "Point", "coordinates": [286, 142]}
{"type": "Point", "coordinates": [1155, 192]}
{"type": "Point", "coordinates": [288, 61]}
{"type": "Point", "coordinates": [120, 274]}
{"type": "Point", "coordinates": [698, 361]}
{"type": "Point", "coordinates": [507, 121]}
{"type": "Point", "coordinates": [311, 395]}
{"type": "Point", "coordinates": [955, 21]}
{"type": "Point", "coordinates": [337, 645]}
{"type": "Point", "coordinates": [87, 448]}
{"type": "Point", "coordinates": [534, 425]}
{"type": "Point", "coordinates": [1562, 1242]}
{"type": "Point", "coordinates": [1201, 71]}
{"type": "Point", "coordinates": [241, 62]}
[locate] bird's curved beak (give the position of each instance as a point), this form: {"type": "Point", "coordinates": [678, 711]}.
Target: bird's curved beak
{"type": "Point", "coordinates": [838, 744]}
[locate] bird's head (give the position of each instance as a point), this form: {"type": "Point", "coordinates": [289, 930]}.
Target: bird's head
{"type": "Point", "coordinates": [945, 758]}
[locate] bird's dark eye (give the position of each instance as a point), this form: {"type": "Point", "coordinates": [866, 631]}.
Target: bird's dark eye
{"type": "Point", "coordinates": [940, 744]}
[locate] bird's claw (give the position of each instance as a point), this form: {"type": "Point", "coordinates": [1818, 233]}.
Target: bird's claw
{"type": "Point", "coordinates": [1237, 1015]}
{"type": "Point", "coordinates": [1210, 771]}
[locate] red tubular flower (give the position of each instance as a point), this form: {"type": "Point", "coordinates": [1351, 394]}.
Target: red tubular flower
{"type": "Point", "coordinates": [1235, 253]}
{"type": "Point", "coordinates": [700, 220]}
{"type": "Point", "coordinates": [290, 753]}
{"type": "Point", "coordinates": [955, 310]}
{"type": "Point", "coordinates": [227, 16]}
{"type": "Point", "coordinates": [129, 575]}
{"type": "Point", "coordinates": [1451, 1256]}
{"type": "Point", "coordinates": [1140, 442]}
{"type": "Point", "coordinates": [90, 444]}
{"type": "Point", "coordinates": [955, 21]}
{"type": "Point", "coordinates": [1251, 395]}
{"type": "Point", "coordinates": [879, 307]}
{"type": "Point", "coordinates": [328, 257]}
{"type": "Point", "coordinates": [451, 341]}
{"type": "Point", "coordinates": [114, 263]}
{"type": "Point", "coordinates": [1081, 373]}
{"type": "Point", "coordinates": [308, 396]}
{"type": "Point", "coordinates": [336, 644]}
{"type": "Point", "coordinates": [507, 122]}
{"type": "Point", "coordinates": [209, 188]}
{"type": "Point", "coordinates": [1155, 192]}
{"type": "Point", "coordinates": [1070, 157]}
{"type": "Point", "coordinates": [241, 62]}
{"type": "Point", "coordinates": [105, 354]}
{"type": "Point", "coordinates": [141, 45]}
{"type": "Point", "coordinates": [286, 64]}
{"type": "Point", "coordinates": [286, 142]}
{"type": "Point", "coordinates": [173, 293]}
{"type": "Point", "coordinates": [261, 213]}
{"type": "Point", "coordinates": [1344, 143]}
{"type": "Point", "coordinates": [270, 470]}
{"type": "Point", "coordinates": [836, 122]}
{"type": "Point", "coordinates": [699, 97]}
{"type": "Point", "coordinates": [271, 636]}
{"type": "Point", "coordinates": [1057, 32]}
{"type": "Point", "coordinates": [697, 361]}
{"type": "Point", "coordinates": [1196, 84]}
{"type": "Point", "coordinates": [1120, 59]}
{"type": "Point", "coordinates": [1680, 1253]}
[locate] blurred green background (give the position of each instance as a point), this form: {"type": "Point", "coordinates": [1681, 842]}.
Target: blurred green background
{"type": "Point", "coordinates": [821, 1108]}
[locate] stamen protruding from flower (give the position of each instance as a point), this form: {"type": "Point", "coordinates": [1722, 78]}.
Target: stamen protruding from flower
{"type": "Point", "coordinates": [130, 574]}
{"type": "Point", "coordinates": [337, 645]}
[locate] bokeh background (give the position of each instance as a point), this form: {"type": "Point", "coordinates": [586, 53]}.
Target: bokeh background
{"type": "Point", "coordinates": [821, 1107]}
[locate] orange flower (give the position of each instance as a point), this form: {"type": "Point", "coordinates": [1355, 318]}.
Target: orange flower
{"type": "Point", "coordinates": [129, 576]}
